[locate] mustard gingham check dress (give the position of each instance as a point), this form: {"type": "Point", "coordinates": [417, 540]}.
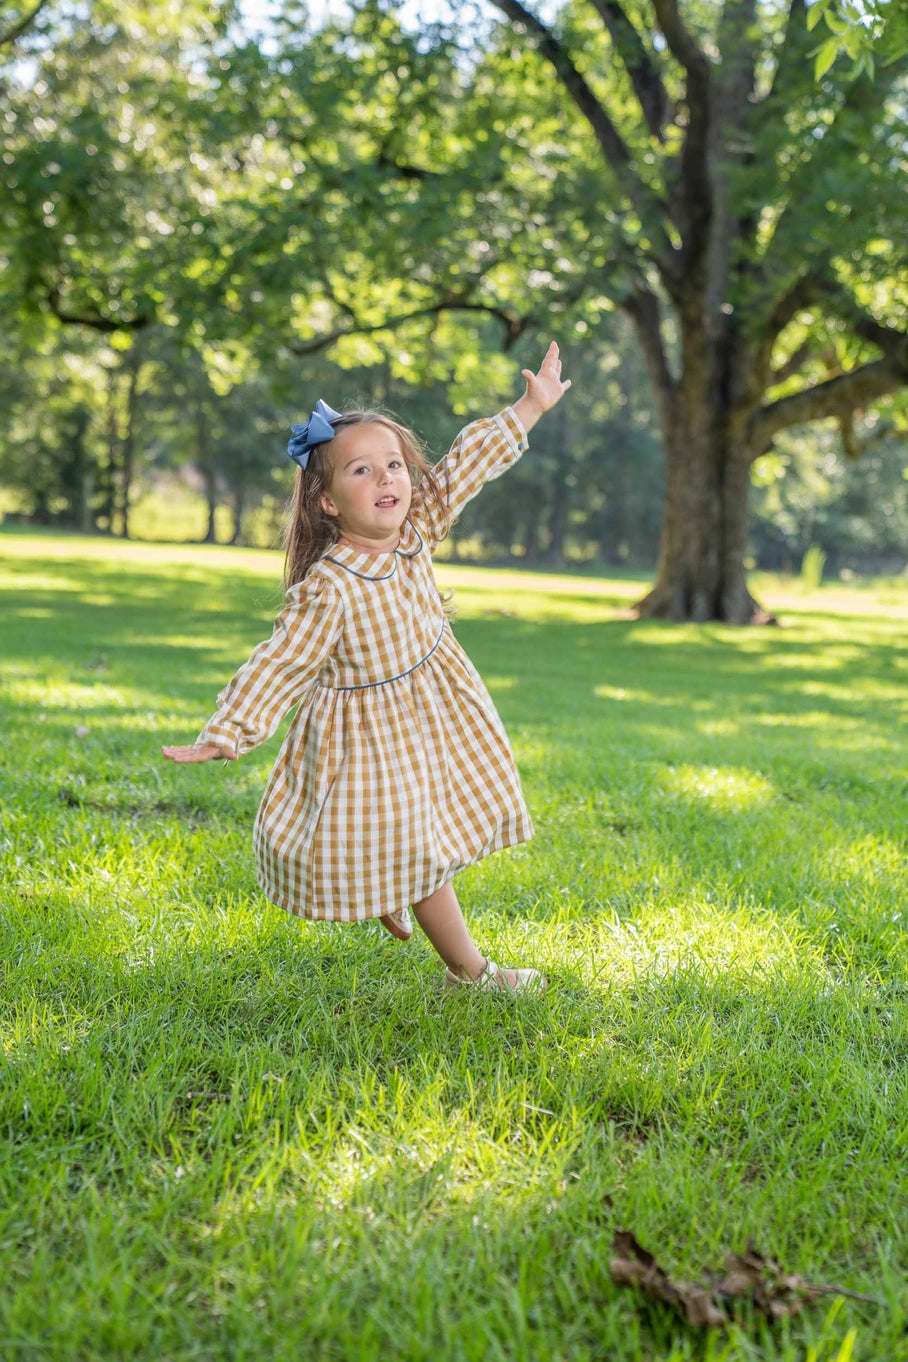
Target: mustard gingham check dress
{"type": "Point", "coordinates": [396, 771]}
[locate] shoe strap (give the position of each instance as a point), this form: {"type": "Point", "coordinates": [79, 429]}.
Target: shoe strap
{"type": "Point", "coordinates": [497, 977]}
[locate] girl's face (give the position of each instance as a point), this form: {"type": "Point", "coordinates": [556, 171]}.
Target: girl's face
{"type": "Point", "coordinates": [370, 489]}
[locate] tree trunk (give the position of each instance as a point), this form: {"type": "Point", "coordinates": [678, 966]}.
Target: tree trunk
{"type": "Point", "coordinates": [128, 451]}
{"type": "Point", "coordinates": [86, 495]}
{"type": "Point", "coordinates": [210, 530]}
{"type": "Point", "coordinates": [532, 549]}
{"type": "Point", "coordinates": [558, 513]}
{"type": "Point", "coordinates": [701, 574]}
{"type": "Point", "coordinates": [207, 469]}
{"type": "Point", "coordinates": [239, 508]}
{"type": "Point", "coordinates": [107, 509]}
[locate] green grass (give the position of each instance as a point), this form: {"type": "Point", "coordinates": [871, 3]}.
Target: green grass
{"type": "Point", "coordinates": [227, 1134]}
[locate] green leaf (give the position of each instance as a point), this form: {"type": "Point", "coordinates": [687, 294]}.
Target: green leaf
{"type": "Point", "coordinates": [816, 12]}
{"type": "Point", "coordinates": [825, 57]}
{"type": "Point", "coordinates": [835, 23]}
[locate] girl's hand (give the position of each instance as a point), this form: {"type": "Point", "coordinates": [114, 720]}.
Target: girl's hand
{"type": "Point", "coordinates": [543, 389]}
{"type": "Point", "coordinates": [200, 751]}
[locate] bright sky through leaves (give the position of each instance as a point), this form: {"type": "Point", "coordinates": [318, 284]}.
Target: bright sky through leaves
{"type": "Point", "coordinates": [414, 13]}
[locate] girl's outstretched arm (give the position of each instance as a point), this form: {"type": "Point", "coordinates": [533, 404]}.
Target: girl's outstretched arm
{"type": "Point", "coordinates": [275, 676]}
{"type": "Point", "coordinates": [199, 751]}
{"type": "Point", "coordinates": [543, 389]}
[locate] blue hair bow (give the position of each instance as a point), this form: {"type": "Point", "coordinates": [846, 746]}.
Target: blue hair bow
{"type": "Point", "coordinates": [316, 431]}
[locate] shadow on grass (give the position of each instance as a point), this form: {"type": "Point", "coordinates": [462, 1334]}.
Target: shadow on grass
{"type": "Point", "coordinates": [191, 627]}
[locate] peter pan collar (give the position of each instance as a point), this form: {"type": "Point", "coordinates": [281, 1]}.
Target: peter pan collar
{"type": "Point", "coordinates": [377, 567]}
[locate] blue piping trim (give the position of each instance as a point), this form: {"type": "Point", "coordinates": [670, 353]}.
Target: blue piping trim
{"type": "Point", "coordinates": [362, 575]}
{"type": "Point", "coordinates": [398, 553]}
{"type": "Point", "coordinates": [371, 684]}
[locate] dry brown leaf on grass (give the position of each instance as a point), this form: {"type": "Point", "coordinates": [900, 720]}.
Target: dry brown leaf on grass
{"type": "Point", "coordinates": [633, 1265]}
{"type": "Point", "coordinates": [748, 1276]}
{"type": "Point", "coordinates": [772, 1288]}
{"type": "Point", "coordinates": [774, 1292]}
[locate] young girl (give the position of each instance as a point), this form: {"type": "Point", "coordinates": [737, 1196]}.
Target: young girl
{"type": "Point", "coordinates": [396, 771]}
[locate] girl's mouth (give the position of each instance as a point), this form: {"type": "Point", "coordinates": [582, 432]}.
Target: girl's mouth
{"type": "Point", "coordinates": [386, 503]}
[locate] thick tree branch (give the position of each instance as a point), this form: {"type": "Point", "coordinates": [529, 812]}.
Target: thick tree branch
{"type": "Point", "coordinates": [842, 393]}
{"type": "Point", "coordinates": [514, 325]}
{"type": "Point", "coordinates": [607, 135]}
{"type": "Point", "coordinates": [11, 34]}
{"type": "Point", "coordinates": [791, 63]}
{"type": "Point", "coordinates": [799, 295]}
{"type": "Point", "coordinates": [647, 202]}
{"type": "Point", "coordinates": [862, 324]}
{"type": "Point", "coordinates": [732, 86]}
{"type": "Point", "coordinates": [682, 43]}
{"type": "Point", "coordinates": [95, 320]}
{"type": "Point", "coordinates": [639, 64]}
{"type": "Point", "coordinates": [696, 189]}
{"type": "Point", "coordinates": [386, 161]}
{"type": "Point", "coordinates": [791, 366]}
{"type": "Point", "coordinates": [836, 397]}
{"type": "Point", "coordinates": [642, 306]}
{"type": "Point", "coordinates": [738, 62]}
{"type": "Point", "coordinates": [817, 286]}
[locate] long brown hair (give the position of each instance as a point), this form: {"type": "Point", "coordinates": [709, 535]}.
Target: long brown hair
{"type": "Point", "coordinates": [310, 531]}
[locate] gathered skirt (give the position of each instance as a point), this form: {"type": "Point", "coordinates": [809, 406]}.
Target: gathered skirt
{"type": "Point", "coordinates": [381, 793]}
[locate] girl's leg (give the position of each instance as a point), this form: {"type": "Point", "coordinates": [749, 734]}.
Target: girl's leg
{"type": "Point", "coordinates": [442, 921]}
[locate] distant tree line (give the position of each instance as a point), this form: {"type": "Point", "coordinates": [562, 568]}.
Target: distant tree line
{"type": "Point", "coordinates": [89, 430]}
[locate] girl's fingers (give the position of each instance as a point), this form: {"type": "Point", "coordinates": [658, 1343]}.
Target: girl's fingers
{"type": "Point", "coordinates": [196, 752]}
{"type": "Point", "coordinates": [549, 369]}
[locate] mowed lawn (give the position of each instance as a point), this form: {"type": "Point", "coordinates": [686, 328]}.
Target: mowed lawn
{"type": "Point", "coordinates": [228, 1134]}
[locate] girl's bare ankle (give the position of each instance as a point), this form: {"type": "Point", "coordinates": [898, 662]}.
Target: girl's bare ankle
{"type": "Point", "coordinates": [464, 971]}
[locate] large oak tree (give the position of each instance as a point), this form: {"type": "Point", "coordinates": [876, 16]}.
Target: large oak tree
{"type": "Point", "coordinates": [678, 160]}
{"type": "Point", "coordinates": [752, 214]}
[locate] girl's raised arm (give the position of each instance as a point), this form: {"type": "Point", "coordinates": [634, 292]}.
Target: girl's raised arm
{"type": "Point", "coordinates": [487, 448]}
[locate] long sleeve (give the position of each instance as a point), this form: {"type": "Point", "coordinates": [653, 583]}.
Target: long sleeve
{"type": "Point", "coordinates": [482, 451]}
{"type": "Point", "coordinates": [279, 670]}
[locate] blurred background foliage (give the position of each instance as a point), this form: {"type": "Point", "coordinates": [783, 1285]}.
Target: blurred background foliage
{"type": "Point", "coordinates": [207, 223]}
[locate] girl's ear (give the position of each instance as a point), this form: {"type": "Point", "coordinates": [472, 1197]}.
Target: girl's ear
{"type": "Point", "coordinates": [327, 504]}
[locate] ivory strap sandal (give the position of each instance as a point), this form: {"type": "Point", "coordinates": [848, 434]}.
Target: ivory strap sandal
{"type": "Point", "coordinates": [398, 924]}
{"type": "Point", "coordinates": [494, 979]}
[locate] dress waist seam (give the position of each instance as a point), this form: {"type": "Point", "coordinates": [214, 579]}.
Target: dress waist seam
{"type": "Point", "coordinates": [370, 685]}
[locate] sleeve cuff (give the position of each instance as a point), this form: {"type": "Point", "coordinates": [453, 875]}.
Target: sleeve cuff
{"type": "Point", "coordinates": [511, 426]}
{"type": "Point", "coordinates": [219, 735]}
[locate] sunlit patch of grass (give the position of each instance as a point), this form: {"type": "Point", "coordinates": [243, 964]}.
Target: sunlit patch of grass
{"type": "Point", "coordinates": [232, 1134]}
{"type": "Point", "coordinates": [622, 693]}
{"type": "Point", "coordinates": [499, 683]}
{"type": "Point", "coordinates": [724, 789]}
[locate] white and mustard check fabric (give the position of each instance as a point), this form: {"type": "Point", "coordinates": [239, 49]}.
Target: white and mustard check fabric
{"type": "Point", "coordinates": [396, 771]}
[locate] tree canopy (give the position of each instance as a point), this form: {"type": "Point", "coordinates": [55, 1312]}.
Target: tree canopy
{"type": "Point", "coordinates": [421, 205]}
